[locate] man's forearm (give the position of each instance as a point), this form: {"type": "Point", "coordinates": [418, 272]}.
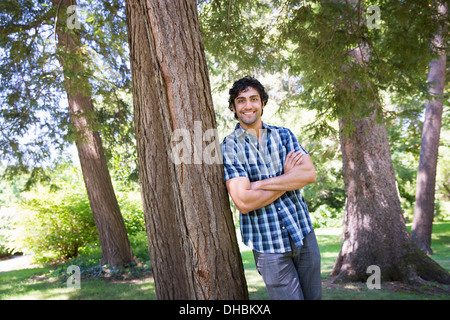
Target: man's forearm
{"type": "Point", "coordinates": [256, 199]}
{"type": "Point", "coordinates": [292, 180]}
{"type": "Point", "coordinates": [247, 199]}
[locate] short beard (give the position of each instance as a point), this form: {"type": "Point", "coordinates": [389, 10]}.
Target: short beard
{"type": "Point", "coordinates": [236, 117]}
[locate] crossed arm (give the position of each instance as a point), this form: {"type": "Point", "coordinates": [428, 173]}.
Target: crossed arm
{"type": "Point", "coordinates": [299, 171]}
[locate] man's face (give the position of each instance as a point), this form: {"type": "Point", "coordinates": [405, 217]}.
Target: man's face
{"type": "Point", "coordinates": [248, 108]}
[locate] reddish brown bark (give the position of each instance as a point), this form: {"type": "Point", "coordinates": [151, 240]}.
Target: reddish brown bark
{"type": "Point", "coordinates": [192, 240]}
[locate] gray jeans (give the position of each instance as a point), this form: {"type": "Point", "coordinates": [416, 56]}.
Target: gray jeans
{"type": "Point", "coordinates": [292, 275]}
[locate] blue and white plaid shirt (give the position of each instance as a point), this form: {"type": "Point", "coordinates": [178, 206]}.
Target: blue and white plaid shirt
{"type": "Point", "coordinates": [267, 229]}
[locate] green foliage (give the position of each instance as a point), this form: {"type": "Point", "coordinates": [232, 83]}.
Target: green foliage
{"type": "Point", "coordinates": [326, 216]}
{"type": "Point", "coordinates": [6, 222]}
{"type": "Point", "coordinates": [55, 225]}
{"type": "Point", "coordinates": [237, 36]}
{"type": "Point", "coordinates": [66, 220]}
{"type": "Point", "coordinates": [90, 268]}
{"type": "Point", "coordinates": [442, 211]}
{"type": "Point", "coordinates": [132, 212]}
{"type": "Point", "coordinates": [34, 118]}
{"type": "Point", "coordinates": [405, 132]}
{"type": "Point", "coordinates": [405, 137]}
{"type": "Point", "coordinates": [318, 42]}
{"type": "Point", "coordinates": [325, 36]}
{"type": "Point", "coordinates": [30, 85]}
{"type": "Point", "coordinates": [139, 245]}
{"type": "Point", "coordinates": [59, 208]}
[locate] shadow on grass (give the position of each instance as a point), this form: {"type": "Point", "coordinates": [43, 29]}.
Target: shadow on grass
{"type": "Point", "coordinates": [40, 284]}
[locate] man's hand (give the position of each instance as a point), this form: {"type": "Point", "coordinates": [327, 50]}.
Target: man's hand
{"type": "Point", "coordinates": [298, 172]}
{"type": "Point", "coordinates": [292, 159]}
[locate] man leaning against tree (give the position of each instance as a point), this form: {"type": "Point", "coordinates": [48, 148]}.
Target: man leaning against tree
{"type": "Point", "coordinates": [265, 167]}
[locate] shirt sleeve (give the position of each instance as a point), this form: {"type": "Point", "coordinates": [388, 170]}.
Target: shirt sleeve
{"type": "Point", "coordinates": [233, 164]}
{"type": "Point", "coordinates": [292, 143]}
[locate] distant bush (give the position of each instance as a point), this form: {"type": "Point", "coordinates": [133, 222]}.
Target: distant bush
{"type": "Point", "coordinates": [6, 227]}
{"type": "Point", "coordinates": [55, 225]}
{"type": "Point", "coordinates": [131, 209]}
{"type": "Point", "coordinates": [325, 216]}
{"type": "Point", "coordinates": [139, 245]}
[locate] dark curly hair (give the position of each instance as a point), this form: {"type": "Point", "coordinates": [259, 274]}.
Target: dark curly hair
{"type": "Point", "coordinates": [241, 85]}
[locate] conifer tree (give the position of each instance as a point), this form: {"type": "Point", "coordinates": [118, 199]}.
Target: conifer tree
{"type": "Point", "coordinates": [347, 55]}
{"type": "Point", "coordinates": [44, 57]}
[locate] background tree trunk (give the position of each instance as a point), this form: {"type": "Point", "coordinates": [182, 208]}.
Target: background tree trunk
{"type": "Point", "coordinates": [192, 240]}
{"type": "Point", "coordinates": [426, 175]}
{"type": "Point", "coordinates": [374, 232]}
{"type": "Point", "coordinates": [116, 249]}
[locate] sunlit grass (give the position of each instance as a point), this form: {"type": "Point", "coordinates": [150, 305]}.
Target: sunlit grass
{"type": "Point", "coordinates": [40, 284]}
{"type": "Point", "coordinates": [35, 284]}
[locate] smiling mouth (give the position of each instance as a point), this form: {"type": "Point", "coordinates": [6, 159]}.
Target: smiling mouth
{"type": "Point", "coordinates": [249, 113]}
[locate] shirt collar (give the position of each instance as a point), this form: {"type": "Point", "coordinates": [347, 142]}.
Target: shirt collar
{"type": "Point", "coordinates": [238, 130]}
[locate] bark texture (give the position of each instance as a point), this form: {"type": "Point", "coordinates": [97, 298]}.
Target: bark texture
{"type": "Point", "coordinates": [116, 249]}
{"type": "Point", "coordinates": [426, 175]}
{"type": "Point", "coordinates": [192, 240]}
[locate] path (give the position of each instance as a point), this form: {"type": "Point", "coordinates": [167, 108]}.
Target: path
{"type": "Point", "coordinates": [15, 263]}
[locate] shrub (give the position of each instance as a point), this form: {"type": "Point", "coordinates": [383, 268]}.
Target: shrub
{"type": "Point", "coordinates": [139, 245]}
{"type": "Point", "coordinates": [325, 216]}
{"type": "Point", "coordinates": [55, 225]}
{"type": "Point", "coordinates": [132, 212]}
{"type": "Point", "coordinates": [131, 208]}
{"type": "Point", "coordinates": [6, 226]}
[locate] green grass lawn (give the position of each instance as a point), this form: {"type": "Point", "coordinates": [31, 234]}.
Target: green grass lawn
{"type": "Point", "coordinates": [38, 284]}
{"type": "Point", "coordinates": [44, 283]}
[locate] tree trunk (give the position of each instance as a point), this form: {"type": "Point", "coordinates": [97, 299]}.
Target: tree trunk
{"type": "Point", "coordinates": [374, 232]}
{"type": "Point", "coordinates": [114, 242]}
{"type": "Point", "coordinates": [192, 239]}
{"type": "Point", "coordinates": [426, 175]}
